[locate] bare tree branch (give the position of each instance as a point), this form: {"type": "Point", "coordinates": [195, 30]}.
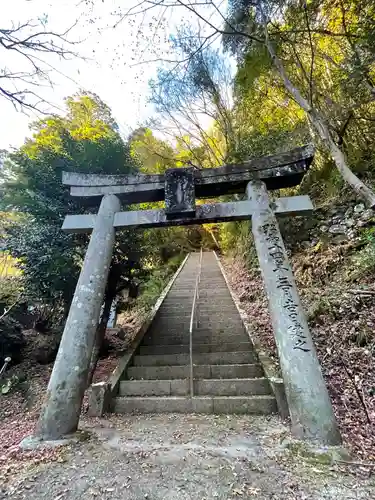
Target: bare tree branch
{"type": "Point", "coordinates": [27, 40]}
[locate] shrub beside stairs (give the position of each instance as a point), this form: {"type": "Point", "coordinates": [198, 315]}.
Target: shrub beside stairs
{"type": "Point", "coordinates": [228, 377]}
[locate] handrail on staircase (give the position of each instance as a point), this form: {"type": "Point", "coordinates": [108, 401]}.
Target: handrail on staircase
{"type": "Point", "coordinates": [192, 317]}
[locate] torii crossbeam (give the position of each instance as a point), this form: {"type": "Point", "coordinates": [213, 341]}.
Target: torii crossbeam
{"type": "Point", "coordinates": [309, 404]}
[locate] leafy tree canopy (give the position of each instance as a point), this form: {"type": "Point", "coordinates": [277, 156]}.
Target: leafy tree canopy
{"type": "Point", "coordinates": [86, 139]}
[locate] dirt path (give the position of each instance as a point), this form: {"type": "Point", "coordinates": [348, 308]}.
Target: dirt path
{"type": "Point", "coordinates": [187, 457]}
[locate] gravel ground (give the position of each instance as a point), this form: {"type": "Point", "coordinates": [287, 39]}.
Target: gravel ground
{"type": "Point", "coordinates": [187, 457]}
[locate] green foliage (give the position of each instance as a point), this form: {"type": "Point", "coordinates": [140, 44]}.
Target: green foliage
{"type": "Point", "coordinates": [11, 339]}
{"type": "Point", "coordinates": [157, 281]}
{"type": "Point", "coordinates": [49, 274]}
{"type": "Point", "coordinates": [266, 119]}
{"type": "Point", "coordinates": [154, 155]}
{"type": "Point", "coordinates": [325, 50]}
{"type": "Point", "coordinates": [11, 290]}
{"type": "Point", "coordinates": [84, 140]}
{"type": "Point", "coordinates": [236, 239]}
{"type": "Point", "coordinates": [11, 280]}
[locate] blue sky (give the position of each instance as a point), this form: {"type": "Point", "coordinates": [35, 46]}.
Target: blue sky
{"type": "Point", "coordinates": [112, 62]}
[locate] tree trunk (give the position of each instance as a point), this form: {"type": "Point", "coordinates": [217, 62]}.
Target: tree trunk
{"type": "Point", "coordinates": [339, 158]}
{"type": "Point", "coordinates": [320, 125]}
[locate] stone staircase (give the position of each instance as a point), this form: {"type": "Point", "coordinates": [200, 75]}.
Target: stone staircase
{"type": "Point", "coordinates": [227, 375]}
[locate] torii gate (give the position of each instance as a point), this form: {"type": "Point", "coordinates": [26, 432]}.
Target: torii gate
{"type": "Point", "coordinates": [309, 403]}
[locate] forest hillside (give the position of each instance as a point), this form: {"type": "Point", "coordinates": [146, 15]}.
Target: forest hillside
{"type": "Point", "coordinates": [268, 77]}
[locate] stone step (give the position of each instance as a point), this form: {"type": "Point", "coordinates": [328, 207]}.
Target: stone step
{"type": "Point", "coordinates": [211, 272]}
{"type": "Point", "coordinates": [186, 295]}
{"type": "Point", "coordinates": [171, 326]}
{"type": "Point", "coordinates": [204, 322]}
{"type": "Point", "coordinates": [231, 312]}
{"type": "Point", "coordinates": [207, 387]}
{"type": "Point", "coordinates": [205, 336]}
{"type": "Point", "coordinates": [206, 308]}
{"type": "Point", "coordinates": [218, 289]}
{"type": "Point", "coordinates": [206, 281]}
{"type": "Point", "coordinates": [205, 284]}
{"type": "Point", "coordinates": [232, 387]}
{"type": "Point", "coordinates": [218, 302]}
{"type": "Point", "coordinates": [203, 315]}
{"type": "Point", "coordinates": [225, 299]}
{"type": "Point", "coordinates": [223, 332]}
{"type": "Point", "coordinates": [177, 387]}
{"type": "Point", "coordinates": [213, 358]}
{"type": "Point", "coordinates": [184, 285]}
{"type": "Point", "coordinates": [200, 371]}
{"type": "Point", "coordinates": [260, 405]}
{"type": "Point", "coordinates": [155, 338]}
{"type": "Point", "coordinates": [184, 348]}
{"type": "Point", "coordinates": [186, 279]}
{"type": "Point", "coordinates": [211, 305]}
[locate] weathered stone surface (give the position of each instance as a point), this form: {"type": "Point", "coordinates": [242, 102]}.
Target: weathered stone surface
{"type": "Point", "coordinates": [309, 404]}
{"type": "Point", "coordinates": [99, 399]}
{"type": "Point", "coordinates": [278, 389]}
{"type": "Point", "coordinates": [67, 384]}
{"type": "Point", "coordinates": [198, 348]}
{"type": "Point", "coordinates": [278, 171]}
{"type": "Point", "coordinates": [241, 404]}
{"type": "Point", "coordinates": [116, 375]}
{"type": "Point", "coordinates": [362, 223]}
{"type": "Point", "coordinates": [146, 387]}
{"type": "Point", "coordinates": [199, 404]}
{"type": "Point", "coordinates": [367, 214]}
{"type": "Point", "coordinates": [36, 443]}
{"type": "Point", "coordinates": [200, 371]}
{"type": "Point", "coordinates": [179, 193]}
{"type": "Point", "coordinates": [220, 358]}
{"type": "Point", "coordinates": [233, 387]}
{"type": "Point", "coordinates": [232, 371]}
{"type": "Point", "coordinates": [336, 219]}
{"type": "Point", "coordinates": [211, 212]}
{"type": "Point", "coordinates": [337, 229]}
{"type": "Point", "coordinates": [358, 209]}
{"type": "Point", "coordinates": [350, 222]}
{"type": "Point", "coordinates": [163, 405]}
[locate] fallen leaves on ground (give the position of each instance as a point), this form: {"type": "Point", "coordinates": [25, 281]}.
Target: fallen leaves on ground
{"type": "Point", "coordinates": [19, 411]}
{"type": "Point", "coordinates": [343, 329]}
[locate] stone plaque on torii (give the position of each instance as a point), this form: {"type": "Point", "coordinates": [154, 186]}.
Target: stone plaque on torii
{"type": "Point", "coordinates": [309, 404]}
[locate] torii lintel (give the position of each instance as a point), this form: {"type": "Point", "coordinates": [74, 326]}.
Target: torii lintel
{"type": "Point", "coordinates": [277, 171]}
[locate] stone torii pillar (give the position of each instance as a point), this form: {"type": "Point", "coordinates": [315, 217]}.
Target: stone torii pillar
{"type": "Point", "coordinates": [309, 403]}
{"type": "Point", "coordinates": [61, 411]}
